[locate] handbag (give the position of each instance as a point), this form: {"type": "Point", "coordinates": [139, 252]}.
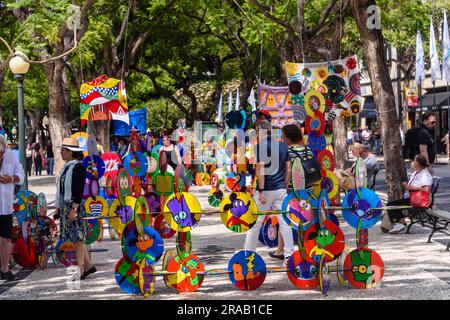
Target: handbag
{"type": "Point", "coordinates": [419, 199]}
{"type": "Point", "coordinates": [311, 168]}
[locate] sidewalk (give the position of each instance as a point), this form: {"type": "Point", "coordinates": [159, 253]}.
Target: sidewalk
{"type": "Point", "coordinates": [414, 269]}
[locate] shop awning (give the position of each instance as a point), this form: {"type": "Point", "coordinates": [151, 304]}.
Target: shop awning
{"type": "Point", "coordinates": [369, 109]}
{"type": "Point", "coordinates": [433, 102]}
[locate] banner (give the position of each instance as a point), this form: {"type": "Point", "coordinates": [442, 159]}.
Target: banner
{"type": "Point", "coordinates": [420, 64]}
{"type": "Point", "coordinates": [137, 118]}
{"type": "Point", "coordinates": [277, 101]}
{"type": "Point", "coordinates": [333, 88]}
{"type": "Point", "coordinates": [103, 98]}
{"type": "Point", "coordinates": [446, 52]}
{"type": "Point", "coordinates": [435, 66]}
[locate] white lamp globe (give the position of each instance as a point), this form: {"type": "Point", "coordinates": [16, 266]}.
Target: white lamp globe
{"type": "Point", "coordinates": [17, 64]}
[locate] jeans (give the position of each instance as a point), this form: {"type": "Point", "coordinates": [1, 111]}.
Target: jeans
{"type": "Point", "coordinates": [49, 166]}
{"type": "Point", "coordinates": [377, 145]}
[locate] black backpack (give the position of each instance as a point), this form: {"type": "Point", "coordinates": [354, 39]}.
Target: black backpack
{"type": "Point", "coordinates": [411, 145]}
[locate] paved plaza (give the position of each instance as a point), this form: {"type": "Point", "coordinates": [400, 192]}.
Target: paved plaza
{"type": "Point", "coordinates": [414, 269]}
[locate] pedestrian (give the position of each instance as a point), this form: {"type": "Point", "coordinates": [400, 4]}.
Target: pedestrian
{"type": "Point", "coordinates": [113, 147]}
{"type": "Point", "coordinates": [366, 136]}
{"type": "Point", "coordinates": [377, 138]}
{"type": "Point", "coordinates": [370, 161]}
{"type": "Point", "coordinates": [293, 138]}
{"type": "Point", "coordinates": [122, 148]}
{"type": "Point", "coordinates": [421, 180]}
{"type": "Point", "coordinates": [50, 163]}
{"type": "Point", "coordinates": [11, 174]}
{"type": "Point", "coordinates": [357, 136]}
{"type": "Point", "coordinates": [37, 159]}
{"type": "Point", "coordinates": [349, 136]}
{"type": "Point", "coordinates": [425, 139]}
{"type": "Point", "coordinates": [29, 156]}
{"type": "Point", "coordinates": [70, 204]}
{"type": "Point", "coordinates": [272, 174]}
{"type": "Point", "coordinates": [172, 152]}
{"type": "Point", "coordinates": [444, 140]}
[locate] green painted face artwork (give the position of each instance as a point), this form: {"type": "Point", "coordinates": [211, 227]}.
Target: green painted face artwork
{"type": "Point", "coordinates": [124, 183]}
{"type": "Point", "coordinates": [324, 238]}
{"type": "Point", "coordinates": [361, 268]}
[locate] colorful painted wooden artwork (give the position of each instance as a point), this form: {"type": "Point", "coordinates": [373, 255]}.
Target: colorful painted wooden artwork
{"type": "Point", "coordinates": [182, 211]}
{"type": "Point", "coordinates": [247, 270]}
{"type": "Point", "coordinates": [302, 272]}
{"type": "Point", "coordinates": [364, 270]}
{"type": "Point", "coordinates": [237, 212]}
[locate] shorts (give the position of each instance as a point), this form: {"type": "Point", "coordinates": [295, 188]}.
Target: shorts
{"type": "Point", "coordinates": [6, 225]}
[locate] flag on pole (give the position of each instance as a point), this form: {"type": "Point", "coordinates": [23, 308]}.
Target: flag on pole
{"type": "Point", "coordinates": [251, 100]}
{"type": "Point", "coordinates": [230, 101]}
{"type": "Point", "coordinates": [446, 52]}
{"type": "Point", "coordinates": [434, 58]}
{"type": "Point", "coordinates": [219, 114]}
{"type": "Point", "coordinates": [238, 100]}
{"type": "Point", "coordinates": [420, 64]}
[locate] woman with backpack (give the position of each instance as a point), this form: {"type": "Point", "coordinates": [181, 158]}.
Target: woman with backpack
{"type": "Point", "coordinates": [293, 138]}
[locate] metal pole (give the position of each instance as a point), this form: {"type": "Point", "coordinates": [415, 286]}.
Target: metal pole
{"type": "Point", "coordinates": [448, 119]}
{"type": "Point", "coordinates": [399, 89]}
{"type": "Point", "coordinates": [23, 160]}
{"type": "Point", "coordinates": [435, 126]}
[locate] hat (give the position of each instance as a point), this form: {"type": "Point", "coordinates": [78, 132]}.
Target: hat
{"type": "Point", "coordinates": [71, 144]}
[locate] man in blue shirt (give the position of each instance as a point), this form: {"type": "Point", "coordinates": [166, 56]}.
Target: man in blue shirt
{"type": "Point", "coordinates": [273, 162]}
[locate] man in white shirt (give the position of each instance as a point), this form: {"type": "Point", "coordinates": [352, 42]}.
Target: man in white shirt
{"type": "Point", "coordinates": [366, 136]}
{"type": "Point", "coordinates": [11, 173]}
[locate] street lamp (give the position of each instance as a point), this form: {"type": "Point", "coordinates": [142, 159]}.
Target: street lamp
{"type": "Point", "coordinates": [19, 68]}
{"type": "Point", "coordinates": [46, 122]}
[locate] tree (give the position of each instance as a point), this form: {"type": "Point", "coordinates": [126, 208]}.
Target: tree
{"type": "Point", "coordinates": [375, 57]}
{"type": "Point", "coordinates": [50, 39]}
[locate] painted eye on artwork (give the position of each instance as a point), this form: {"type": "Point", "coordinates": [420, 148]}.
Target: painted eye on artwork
{"type": "Point", "coordinates": [313, 271]}
{"type": "Point", "coordinates": [354, 206]}
{"type": "Point", "coordinates": [182, 215]}
{"type": "Point", "coordinates": [302, 203]}
{"type": "Point", "coordinates": [308, 206]}
{"type": "Point", "coordinates": [368, 213]}
{"type": "Point", "coordinates": [362, 269]}
{"type": "Point", "coordinates": [355, 268]}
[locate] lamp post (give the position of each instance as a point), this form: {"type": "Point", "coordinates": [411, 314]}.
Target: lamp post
{"type": "Point", "coordinates": [46, 122]}
{"type": "Point", "coordinates": [19, 68]}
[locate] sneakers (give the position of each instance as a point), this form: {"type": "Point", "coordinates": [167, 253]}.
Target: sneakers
{"type": "Point", "coordinates": [276, 256]}
{"type": "Point", "coordinates": [398, 227]}
{"type": "Point", "coordinates": [86, 273]}
{"type": "Point", "coordinates": [8, 276]}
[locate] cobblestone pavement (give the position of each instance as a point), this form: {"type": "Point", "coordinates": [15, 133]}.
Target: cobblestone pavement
{"type": "Point", "coordinates": [414, 269]}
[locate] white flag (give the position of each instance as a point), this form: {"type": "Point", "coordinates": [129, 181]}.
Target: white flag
{"type": "Point", "coordinates": [219, 114]}
{"type": "Point", "coordinates": [446, 52]}
{"type": "Point", "coordinates": [238, 100]}
{"type": "Point", "coordinates": [420, 64]}
{"type": "Point", "coordinates": [230, 101]}
{"type": "Point", "coordinates": [434, 58]}
{"type": "Point", "coordinates": [251, 100]}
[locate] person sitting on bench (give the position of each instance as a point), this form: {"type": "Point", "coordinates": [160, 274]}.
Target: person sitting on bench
{"type": "Point", "coordinates": [421, 180]}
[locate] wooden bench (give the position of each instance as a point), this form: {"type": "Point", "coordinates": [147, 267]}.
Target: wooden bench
{"type": "Point", "coordinates": [417, 215]}
{"type": "Point", "coordinates": [440, 219]}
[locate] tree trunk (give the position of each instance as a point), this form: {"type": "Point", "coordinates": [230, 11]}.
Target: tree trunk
{"type": "Point", "coordinates": [375, 57]}
{"type": "Point", "coordinates": [59, 112]}
{"type": "Point", "coordinates": [100, 129]}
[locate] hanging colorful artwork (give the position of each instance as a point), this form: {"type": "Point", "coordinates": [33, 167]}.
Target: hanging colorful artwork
{"type": "Point", "coordinates": [103, 98]}
{"type": "Point", "coordinates": [276, 100]}
{"type": "Point", "coordinates": [328, 87]}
